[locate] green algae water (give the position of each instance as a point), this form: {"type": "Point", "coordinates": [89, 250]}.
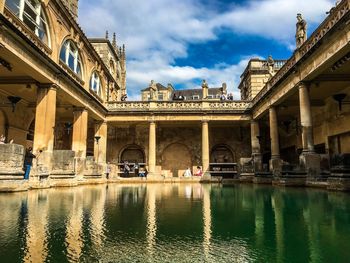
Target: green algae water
{"type": "Point", "coordinates": [175, 223]}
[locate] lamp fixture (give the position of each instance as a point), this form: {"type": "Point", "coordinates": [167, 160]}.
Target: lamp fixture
{"type": "Point", "coordinates": [14, 100]}
{"type": "Point", "coordinates": [340, 99]}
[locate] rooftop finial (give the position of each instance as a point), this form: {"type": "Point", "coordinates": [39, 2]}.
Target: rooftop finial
{"type": "Point", "coordinates": [114, 43]}
{"type": "Point", "coordinates": [107, 34]}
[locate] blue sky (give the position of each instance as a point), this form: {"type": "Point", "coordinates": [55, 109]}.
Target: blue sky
{"type": "Point", "coordinates": [184, 41]}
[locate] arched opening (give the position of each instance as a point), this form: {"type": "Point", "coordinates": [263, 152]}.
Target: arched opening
{"type": "Point", "coordinates": [132, 154]}
{"type": "Point", "coordinates": [176, 157]}
{"type": "Point", "coordinates": [223, 161]}
{"type": "Point", "coordinates": [222, 153]}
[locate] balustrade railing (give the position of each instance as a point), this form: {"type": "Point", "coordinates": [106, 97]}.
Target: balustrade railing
{"type": "Point", "coordinates": [180, 106]}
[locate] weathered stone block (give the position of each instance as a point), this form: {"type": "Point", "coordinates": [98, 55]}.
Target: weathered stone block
{"type": "Point", "coordinates": [11, 161]}
{"type": "Point", "coordinates": [276, 167]}
{"type": "Point", "coordinates": [63, 163]}
{"type": "Point", "coordinates": [311, 164]}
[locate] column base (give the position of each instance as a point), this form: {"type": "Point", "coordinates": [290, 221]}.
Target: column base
{"type": "Point", "coordinates": [42, 165]}
{"type": "Point", "coordinates": [276, 167]}
{"type": "Point", "coordinates": [310, 163]}
{"type": "Point", "coordinates": [257, 162]}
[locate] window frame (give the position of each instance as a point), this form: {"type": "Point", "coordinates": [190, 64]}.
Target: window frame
{"type": "Point", "coordinates": [75, 54]}
{"type": "Point", "coordinates": [40, 18]}
{"type": "Point", "coordinates": [96, 79]}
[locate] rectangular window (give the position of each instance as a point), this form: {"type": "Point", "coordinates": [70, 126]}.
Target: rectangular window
{"type": "Point", "coordinates": [13, 6]}
{"type": "Point", "coordinates": [210, 97]}
{"type": "Point", "coordinates": [160, 97]}
{"type": "Point", "coordinates": [195, 97]}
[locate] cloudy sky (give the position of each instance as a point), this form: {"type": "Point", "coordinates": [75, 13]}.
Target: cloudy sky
{"type": "Point", "coordinates": [184, 41]}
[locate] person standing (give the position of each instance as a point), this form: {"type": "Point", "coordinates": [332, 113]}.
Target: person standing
{"type": "Point", "coordinates": [28, 162]}
{"type": "Point", "coordinates": [126, 169]}
{"type": "Point", "coordinates": [136, 169]}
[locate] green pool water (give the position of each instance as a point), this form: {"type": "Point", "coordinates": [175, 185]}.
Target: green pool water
{"type": "Point", "coordinates": [175, 223]}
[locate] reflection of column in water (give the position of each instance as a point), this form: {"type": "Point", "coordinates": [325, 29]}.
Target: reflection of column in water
{"type": "Point", "coordinates": [278, 210]}
{"type": "Point", "coordinates": [36, 238]}
{"type": "Point", "coordinates": [206, 220]}
{"type": "Point", "coordinates": [151, 218]}
{"type": "Point", "coordinates": [313, 234]}
{"type": "Point", "coordinates": [259, 220]}
{"type": "Point", "coordinates": [188, 191]}
{"type": "Point", "coordinates": [74, 239]}
{"type": "Point", "coordinates": [98, 218]}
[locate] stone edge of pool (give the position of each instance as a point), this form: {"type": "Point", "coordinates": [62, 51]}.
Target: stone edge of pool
{"type": "Point", "coordinates": [7, 186]}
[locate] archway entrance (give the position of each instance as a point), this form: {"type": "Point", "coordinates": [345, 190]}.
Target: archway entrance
{"type": "Point", "coordinates": [132, 154]}
{"type": "Point", "coordinates": [221, 154]}
{"type": "Point", "coordinates": [176, 157]}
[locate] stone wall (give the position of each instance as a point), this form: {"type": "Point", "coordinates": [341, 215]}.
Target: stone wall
{"type": "Point", "coordinates": [11, 161]}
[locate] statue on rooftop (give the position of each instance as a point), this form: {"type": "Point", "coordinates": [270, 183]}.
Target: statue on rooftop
{"type": "Point", "coordinates": [301, 31]}
{"type": "Point", "coordinates": [270, 65]}
{"type": "Point", "coordinates": [153, 90]}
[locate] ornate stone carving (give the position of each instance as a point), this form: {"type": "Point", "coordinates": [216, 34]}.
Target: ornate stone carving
{"type": "Point", "coordinates": [301, 31]}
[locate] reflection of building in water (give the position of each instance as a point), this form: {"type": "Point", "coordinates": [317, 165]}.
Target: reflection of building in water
{"type": "Point", "coordinates": [98, 218]}
{"type": "Point", "coordinates": [277, 205]}
{"type": "Point", "coordinates": [206, 220]}
{"type": "Point", "coordinates": [36, 249]}
{"type": "Point", "coordinates": [74, 227]}
{"type": "Point", "coordinates": [151, 232]}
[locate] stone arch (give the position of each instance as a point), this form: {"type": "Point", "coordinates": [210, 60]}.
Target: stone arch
{"type": "Point", "coordinates": [132, 153]}
{"type": "Point", "coordinates": [222, 153]}
{"type": "Point", "coordinates": [176, 157]}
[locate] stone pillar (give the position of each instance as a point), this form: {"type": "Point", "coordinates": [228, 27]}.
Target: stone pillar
{"type": "Point", "coordinates": [2, 6]}
{"type": "Point", "coordinates": [309, 161]}
{"type": "Point", "coordinates": [256, 150]}
{"type": "Point", "coordinates": [100, 147]}
{"type": "Point", "coordinates": [205, 148]}
{"type": "Point", "coordinates": [275, 162]}
{"type": "Point", "coordinates": [152, 148]}
{"type": "Point", "coordinates": [45, 115]}
{"type": "Point", "coordinates": [306, 118]}
{"type": "Point", "coordinates": [79, 140]}
{"type": "Point", "coordinates": [80, 127]}
{"type": "Point", "coordinates": [44, 133]}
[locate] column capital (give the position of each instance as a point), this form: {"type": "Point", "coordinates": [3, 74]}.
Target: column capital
{"type": "Point", "coordinates": [50, 86]}
{"type": "Point", "coordinates": [303, 84]}
{"type": "Point", "coordinates": [79, 109]}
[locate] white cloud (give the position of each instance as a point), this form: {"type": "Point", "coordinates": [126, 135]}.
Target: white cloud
{"type": "Point", "coordinates": [156, 32]}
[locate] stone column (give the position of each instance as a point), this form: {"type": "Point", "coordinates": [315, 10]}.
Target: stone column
{"type": "Point", "coordinates": [45, 115]}
{"type": "Point", "coordinates": [2, 6]}
{"type": "Point", "coordinates": [100, 147]}
{"type": "Point", "coordinates": [80, 127]}
{"type": "Point", "coordinates": [309, 161]}
{"type": "Point", "coordinates": [306, 118]}
{"type": "Point", "coordinates": [275, 162]}
{"type": "Point", "coordinates": [44, 133]}
{"type": "Point", "coordinates": [79, 140]}
{"type": "Point", "coordinates": [152, 148]}
{"type": "Point", "coordinates": [205, 147]}
{"type": "Point", "coordinates": [256, 150]}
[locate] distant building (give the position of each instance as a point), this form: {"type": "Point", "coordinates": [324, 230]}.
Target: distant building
{"type": "Point", "coordinates": [256, 75]}
{"type": "Point", "coordinates": [167, 93]}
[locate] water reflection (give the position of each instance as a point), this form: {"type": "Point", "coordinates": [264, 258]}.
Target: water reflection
{"type": "Point", "coordinates": [175, 223]}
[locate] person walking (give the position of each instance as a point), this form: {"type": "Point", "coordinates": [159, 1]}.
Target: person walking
{"type": "Point", "coordinates": [28, 162]}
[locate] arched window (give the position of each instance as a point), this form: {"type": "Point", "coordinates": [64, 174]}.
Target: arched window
{"type": "Point", "coordinates": [70, 56]}
{"type": "Point", "coordinates": [95, 83]}
{"type": "Point", "coordinates": [31, 13]}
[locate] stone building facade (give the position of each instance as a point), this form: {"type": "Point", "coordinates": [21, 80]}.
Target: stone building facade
{"type": "Point", "coordinates": [61, 94]}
